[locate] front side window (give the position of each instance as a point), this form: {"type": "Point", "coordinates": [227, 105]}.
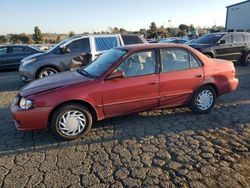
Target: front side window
{"type": "Point", "coordinates": [103, 63]}
{"type": "Point", "coordinates": [209, 39]}
{"type": "Point", "coordinates": [105, 43]}
{"type": "Point", "coordinates": [139, 64]}
{"type": "Point", "coordinates": [227, 39]}
{"type": "Point", "coordinates": [238, 39]}
{"type": "Point", "coordinates": [174, 59]}
{"type": "Point", "coordinates": [3, 51]}
{"type": "Point", "coordinates": [27, 50]}
{"type": "Point", "coordinates": [81, 45]}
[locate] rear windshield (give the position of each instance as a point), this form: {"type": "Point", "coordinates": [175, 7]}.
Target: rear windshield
{"type": "Point", "coordinates": [209, 39]}
{"type": "Point", "coordinates": [127, 39]}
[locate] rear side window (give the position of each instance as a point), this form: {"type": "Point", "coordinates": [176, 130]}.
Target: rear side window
{"type": "Point", "coordinates": [174, 59]}
{"type": "Point", "coordinates": [247, 38]}
{"type": "Point", "coordinates": [3, 51]}
{"type": "Point", "coordinates": [194, 63]}
{"type": "Point", "coordinates": [105, 43]}
{"type": "Point", "coordinates": [238, 39]}
{"type": "Point", "coordinates": [127, 39]}
{"type": "Point", "coordinates": [81, 45]}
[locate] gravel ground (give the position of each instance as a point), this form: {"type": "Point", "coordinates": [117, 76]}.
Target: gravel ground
{"type": "Point", "coordinates": [163, 148]}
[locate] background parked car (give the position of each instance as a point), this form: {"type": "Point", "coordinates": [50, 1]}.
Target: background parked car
{"type": "Point", "coordinates": [11, 55]}
{"type": "Point", "coordinates": [174, 40]}
{"type": "Point", "coordinates": [229, 46]}
{"type": "Point", "coordinates": [72, 53]}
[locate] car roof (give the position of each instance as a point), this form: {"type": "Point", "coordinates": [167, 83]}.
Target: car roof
{"type": "Point", "coordinates": [150, 46]}
{"type": "Point", "coordinates": [15, 45]}
{"type": "Point", "coordinates": [224, 33]}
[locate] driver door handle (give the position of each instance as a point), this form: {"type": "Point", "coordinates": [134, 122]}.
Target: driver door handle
{"type": "Point", "coordinates": [153, 82]}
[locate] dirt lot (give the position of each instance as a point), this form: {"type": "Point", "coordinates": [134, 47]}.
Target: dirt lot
{"type": "Point", "coordinates": [167, 148]}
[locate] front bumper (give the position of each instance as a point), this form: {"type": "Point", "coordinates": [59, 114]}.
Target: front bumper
{"type": "Point", "coordinates": [32, 119]}
{"type": "Point", "coordinates": [26, 74]}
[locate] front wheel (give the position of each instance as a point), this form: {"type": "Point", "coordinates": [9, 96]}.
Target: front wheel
{"type": "Point", "coordinates": [47, 71]}
{"type": "Point", "coordinates": [203, 100]}
{"type": "Point", "coordinates": [71, 122]}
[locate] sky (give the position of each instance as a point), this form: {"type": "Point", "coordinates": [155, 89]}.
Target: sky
{"type": "Point", "coordinates": [63, 16]}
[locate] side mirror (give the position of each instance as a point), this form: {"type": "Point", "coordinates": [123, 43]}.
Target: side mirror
{"type": "Point", "coordinates": [222, 42]}
{"type": "Point", "coordinates": [116, 74]}
{"type": "Point", "coordinates": [65, 50]}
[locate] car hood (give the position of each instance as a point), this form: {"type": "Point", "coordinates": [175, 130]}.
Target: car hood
{"type": "Point", "coordinates": [199, 45]}
{"type": "Point", "coordinates": [53, 82]}
{"type": "Point", "coordinates": [36, 55]}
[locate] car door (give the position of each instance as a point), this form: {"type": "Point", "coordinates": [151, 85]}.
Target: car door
{"type": "Point", "coordinates": [138, 90]}
{"type": "Point", "coordinates": [181, 75]}
{"type": "Point", "coordinates": [239, 46]}
{"type": "Point", "coordinates": [79, 54]}
{"type": "Point", "coordinates": [14, 56]}
{"type": "Point", "coordinates": [225, 48]}
{"type": "Point", "coordinates": [3, 54]}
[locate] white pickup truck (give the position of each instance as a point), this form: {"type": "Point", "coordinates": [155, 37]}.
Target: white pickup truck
{"type": "Point", "coordinates": [72, 53]}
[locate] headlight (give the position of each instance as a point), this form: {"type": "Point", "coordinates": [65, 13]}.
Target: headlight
{"type": "Point", "coordinates": [25, 104]}
{"type": "Point", "coordinates": [29, 61]}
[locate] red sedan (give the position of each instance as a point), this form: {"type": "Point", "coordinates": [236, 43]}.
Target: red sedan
{"type": "Point", "coordinates": [122, 81]}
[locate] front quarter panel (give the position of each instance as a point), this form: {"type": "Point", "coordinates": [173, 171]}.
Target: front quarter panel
{"type": "Point", "coordinates": [87, 92]}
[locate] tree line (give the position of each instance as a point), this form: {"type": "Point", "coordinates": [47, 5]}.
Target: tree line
{"type": "Point", "coordinates": [153, 31]}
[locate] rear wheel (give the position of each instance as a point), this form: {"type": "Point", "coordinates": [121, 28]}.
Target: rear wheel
{"type": "Point", "coordinates": [203, 100]}
{"type": "Point", "coordinates": [71, 122]}
{"type": "Point", "coordinates": [47, 71]}
{"type": "Point", "coordinates": [246, 59]}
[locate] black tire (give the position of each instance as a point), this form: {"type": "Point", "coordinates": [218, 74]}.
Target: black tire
{"type": "Point", "coordinates": [64, 109]}
{"type": "Point", "coordinates": [43, 70]}
{"type": "Point", "coordinates": [194, 106]}
{"type": "Point", "coordinates": [246, 59]}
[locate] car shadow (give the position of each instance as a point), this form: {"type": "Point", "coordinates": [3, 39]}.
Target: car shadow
{"type": "Point", "coordinates": [131, 127]}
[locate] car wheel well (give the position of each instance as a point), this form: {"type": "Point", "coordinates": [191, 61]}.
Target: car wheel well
{"type": "Point", "coordinates": [46, 66]}
{"type": "Point", "coordinates": [209, 54]}
{"type": "Point", "coordinates": [213, 86]}
{"type": "Point", "coordinates": [84, 103]}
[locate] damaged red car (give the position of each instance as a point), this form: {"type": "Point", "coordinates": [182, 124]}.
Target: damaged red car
{"type": "Point", "coordinates": [123, 80]}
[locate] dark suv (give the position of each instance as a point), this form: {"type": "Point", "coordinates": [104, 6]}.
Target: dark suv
{"type": "Point", "coordinates": [229, 46]}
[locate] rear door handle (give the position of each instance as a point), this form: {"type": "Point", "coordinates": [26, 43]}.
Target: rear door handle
{"type": "Point", "coordinates": [198, 76]}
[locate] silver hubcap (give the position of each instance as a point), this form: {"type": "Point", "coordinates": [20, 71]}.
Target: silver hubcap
{"type": "Point", "coordinates": [248, 59]}
{"type": "Point", "coordinates": [205, 100]}
{"type": "Point", "coordinates": [48, 72]}
{"type": "Point", "coordinates": [72, 123]}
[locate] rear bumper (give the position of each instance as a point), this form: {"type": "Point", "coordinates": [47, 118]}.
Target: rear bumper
{"type": "Point", "coordinates": [229, 87]}
{"type": "Point", "coordinates": [33, 119]}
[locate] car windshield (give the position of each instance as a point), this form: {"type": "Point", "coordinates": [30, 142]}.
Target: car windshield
{"type": "Point", "coordinates": [103, 63]}
{"type": "Point", "coordinates": [209, 39]}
